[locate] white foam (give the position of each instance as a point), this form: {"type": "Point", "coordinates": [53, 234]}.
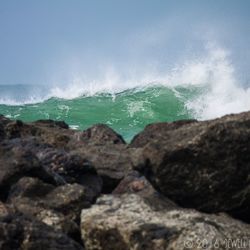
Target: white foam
{"type": "Point", "coordinates": [213, 71]}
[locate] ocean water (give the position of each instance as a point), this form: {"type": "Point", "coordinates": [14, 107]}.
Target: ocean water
{"type": "Point", "coordinates": [200, 89]}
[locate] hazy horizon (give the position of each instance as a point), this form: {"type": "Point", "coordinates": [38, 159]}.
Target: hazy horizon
{"type": "Point", "coordinates": [55, 42]}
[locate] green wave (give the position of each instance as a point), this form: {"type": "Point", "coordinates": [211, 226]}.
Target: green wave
{"type": "Point", "coordinates": [127, 112]}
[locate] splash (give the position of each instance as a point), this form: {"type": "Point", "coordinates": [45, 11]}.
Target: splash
{"type": "Point", "coordinates": [211, 78]}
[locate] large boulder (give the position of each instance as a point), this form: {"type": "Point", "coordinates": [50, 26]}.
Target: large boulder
{"type": "Point", "coordinates": [16, 162]}
{"type": "Point", "coordinates": [131, 222]}
{"type": "Point", "coordinates": [112, 162]}
{"type": "Point", "coordinates": [64, 166]}
{"type": "Point", "coordinates": [203, 165]}
{"type": "Point", "coordinates": [101, 134]}
{"type": "Point", "coordinates": [156, 130]}
{"type": "Point", "coordinates": [59, 207]}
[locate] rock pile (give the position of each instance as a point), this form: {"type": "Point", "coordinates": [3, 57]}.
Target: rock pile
{"type": "Point", "coordinates": [180, 185]}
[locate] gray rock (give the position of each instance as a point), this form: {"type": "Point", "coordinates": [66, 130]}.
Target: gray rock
{"type": "Point", "coordinates": [101, 134]}
{"type": "Point", "coordinates": [59, 207]}
{"type": "Point", "coordinates": [203, 165]}
{"type": "Point", "coordinates": [129, 222]}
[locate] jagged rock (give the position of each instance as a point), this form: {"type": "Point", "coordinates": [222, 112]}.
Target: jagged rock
{"type": "Point", "coordinates": [156, 130]}
{"type": "Point", "coordinates": [112, 162]}
{"type": "Point", "coordinates": [72, 167]}
{"type": "Point", "coordinates": [135, 183]}
{"type": "Point", "coordinates": [64, 166]}
{"type": "Point", "coordinates": [55, 133]}
{"type": "Point", "coordinates": [52, 123]}
{"type": "Point", "coordinates": [15, 162]}
{"type": "Point", "coordinates": [59, 207]}
{"type": "Point", "coordinates": [130, 222]}
{"type": "Point", "coordinates": [31, 193]}
{"type": "Point", "coordinates": [202, 165]}
{"type": "Point", "coordinates": [18, 232]}
{"type": "Point", "coordinates": [101, 134]}
{"type": "Point", "coordinates": [4, 211]}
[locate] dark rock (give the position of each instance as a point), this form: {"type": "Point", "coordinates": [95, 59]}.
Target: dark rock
{"type": "Point", "coordinates": [4, 210]}
{"type": "Point", "coordinates": [72, 167]}
{"type": "Point", "coordinates": [2, 132]}
{"type": "Point", "coordinates": [155, 131]}
{"type": "Point", "coordinates": [135, 183]}
{"type": "Point", "coordinates": [202, 165]}
{"type": "Point", "coordinates": [130, 222]}
{"type": "Point", "coordinates": [46, 131]}
{"type": "Point", "coordinates": [52, 124]}
{"type": "Point", "coordinates": [13, 129]}
{"type": "Point", "coordinates": [112, 162]}
{"type": "Point", "coordinates": [15, 162]}
{"type": "Point", "coordinates": [18, 232]}
{"type": "Point", "coordinates": [64, 166]}
{"type": "Point", "coordinates": [4, 120]}
{"type": "Point", "coordinates": [101, 134]}
{"type": "Point", "coordinates": [59, 207]}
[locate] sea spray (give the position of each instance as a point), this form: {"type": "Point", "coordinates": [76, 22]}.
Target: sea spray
{"type": "Point", "coordinates": [201, 88]}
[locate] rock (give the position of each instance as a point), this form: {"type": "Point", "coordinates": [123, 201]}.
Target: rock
{"type": "Point", "coordinates": [59, 207]}
{"type": "Point", "coordinates": [64, 166]}
{"type": "Point", "coordinates": [72, 167]}
{"type": "Point", "coordinates": [15, 162]}
{"type": "Point", "coordinates": [135, 183]}
{"type": "Point", "coordinates": [101, 134]}
{"type": "Point", "coordinates": [4, 210]}
{"type": "Point", "coordinates": [51, 124]}
{"type": "Point", "coordinates": [156, 130]}
{"type": "Point", "coordinates": [202, 165]}
{"type": "Point", "coordinates": [129, 222]}
{"type": "Point", "coordinates": [112, 162]}
{"type": "Point", "coordinates": [51, 132]}
{"type": "Point", "coordinates": [68, 199]}
{"type": "Point", "coordinates": [18, 232]}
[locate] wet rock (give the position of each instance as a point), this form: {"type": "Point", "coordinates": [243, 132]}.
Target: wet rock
{"type": "Point", "coordinates": [130, 222]}
{"type": "Point", "coordinates": [18, 232]}
{"type": "Point", "coordinates": [202, 165]}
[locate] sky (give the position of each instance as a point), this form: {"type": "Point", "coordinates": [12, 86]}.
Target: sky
{"type": "Point", "coordinates": [53, 40]}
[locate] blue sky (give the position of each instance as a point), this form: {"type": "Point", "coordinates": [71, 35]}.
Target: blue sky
{"type": "Point", "coordinates": [41, 41]}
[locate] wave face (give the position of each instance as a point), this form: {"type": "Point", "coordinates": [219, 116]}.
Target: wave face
{"type": "Point", "coordinates": [200, 89]}
{"type": "Point", "coordinates": [127, 112]}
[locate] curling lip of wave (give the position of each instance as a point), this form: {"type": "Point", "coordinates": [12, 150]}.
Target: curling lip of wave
{"type": "Point", "coordinates": [214, 72]}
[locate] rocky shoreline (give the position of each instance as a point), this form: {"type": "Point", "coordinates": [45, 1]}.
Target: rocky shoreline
{"type": "Point", "coordinates": [180, 185]}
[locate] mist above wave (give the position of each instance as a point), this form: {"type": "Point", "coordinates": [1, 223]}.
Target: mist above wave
{"type": "Point", "coordinates": [221, 92]}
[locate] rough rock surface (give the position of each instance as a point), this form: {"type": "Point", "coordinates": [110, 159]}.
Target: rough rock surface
{"type": "Point", "coordinates": [202, 165]}
{"type": "Point", "coordinates": [59, 207]}
{"type": "Point", "coordinates": [112, 162]}
{"type": "Point", "coordinates": [101, 134]}
{"type": "Point", "coordinates": [50, 173]}
{"type": "Point", "coordinates": [18, 232]}
{"type": "Point", "coordinates": [129, 222]}
{"type": "Point", "coordinates": [16, 162]}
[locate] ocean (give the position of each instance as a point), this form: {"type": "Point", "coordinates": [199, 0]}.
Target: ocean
{"type": "Point", "coordinates": [203, 89]}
